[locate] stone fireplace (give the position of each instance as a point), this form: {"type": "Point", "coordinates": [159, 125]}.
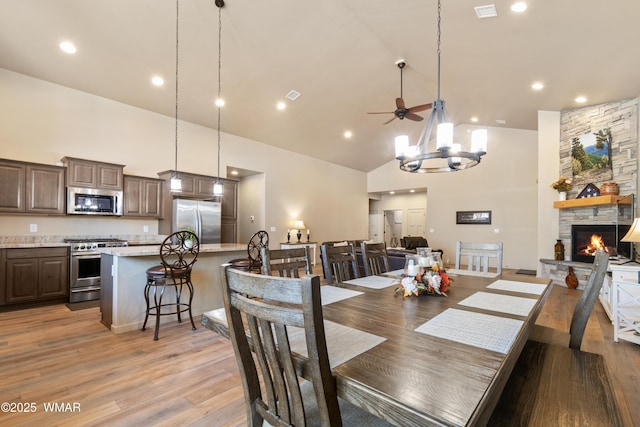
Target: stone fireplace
{"type": "Point", "coordinates": [608, 218]}
{"type": "Point", "coordinates": [621, 118]}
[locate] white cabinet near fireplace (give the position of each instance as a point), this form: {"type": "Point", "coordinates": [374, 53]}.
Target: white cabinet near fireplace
{"type": "Point", "coordinates": [625, 302]}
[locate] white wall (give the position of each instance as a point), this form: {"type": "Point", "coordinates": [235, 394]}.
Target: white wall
{"type": "Point", "coordinates": [548, 172]}
{"type": "Point", "coordinates": [42, 122]}
{"type": "Point", "coordinates": [505, 182]}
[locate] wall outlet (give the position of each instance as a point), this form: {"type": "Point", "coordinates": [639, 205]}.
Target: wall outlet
{"type": "Point", "coordinates": [496, 230]}
{"type": "Point", "coordinates": [274, 229]}
{"type": "Point", "coordinates": [33, 228]}
{"type": "Point", "coordinates": [145, 229]}
{"type": "Point", "coordinates": [252, 218]}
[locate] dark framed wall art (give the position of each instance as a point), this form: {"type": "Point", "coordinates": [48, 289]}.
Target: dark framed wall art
{"type": "Point", "coordinates": [473, 217]}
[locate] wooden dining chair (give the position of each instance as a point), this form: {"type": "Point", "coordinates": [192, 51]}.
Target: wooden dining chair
{"type": "Point", "coordinates": [375, 259]}
{"type": "Point", "coordinates": [270, 306]}
{"type": "Point", "coordinates": [339, 262]}
{"type": "Point", "coordinates": [581, 312]}
{"type": "Point", "coordinates": [478, 255]}
{"type": "Point", "coordinates": [286, 262]}
{"type": "Point", "coordinates": [561, 385]}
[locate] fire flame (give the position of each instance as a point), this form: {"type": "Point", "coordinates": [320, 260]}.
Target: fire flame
{"type": "Point", "coordinates": [596, 243]}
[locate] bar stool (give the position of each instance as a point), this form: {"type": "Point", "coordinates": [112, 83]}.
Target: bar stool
{"type": "Point", "coordinates": [178, 253]}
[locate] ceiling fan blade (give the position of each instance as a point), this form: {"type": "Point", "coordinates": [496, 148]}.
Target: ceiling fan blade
{"type": "Point", "coordinates": [400, 103]}
{"type": "Point", "coordinates": [382, 112]}
{"type": "Point", "coordinates": [412, 116]}
{"type": "Point", "coordinates": [389, 121]}
{"type": "Point", "coordinates": [420, 108]}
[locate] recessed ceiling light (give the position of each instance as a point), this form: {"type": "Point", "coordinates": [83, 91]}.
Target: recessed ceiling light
{"type": "Point", "coordinates": [488, 11]}
{"type": "Point", "coordinates": [581, 99]}
{"type": "Point", "coordinates": [281, 106]}
{"type": "Point", "coordinates": [474, 119]}
{"type": "Point", "coordinates": [157, 80]}
{"type": "Point", "coordinates": [68, 47]}
{"type": "Point", "coordinates": [220, 102]}
{"type": "Point", "coordinates": [501, 121]}
{"type": "Point", "coordinates": [537, 86]}
{"type": "Point", "coordinates": [519, 7]}
{"type": "Point", "coordinates": [348, 134]}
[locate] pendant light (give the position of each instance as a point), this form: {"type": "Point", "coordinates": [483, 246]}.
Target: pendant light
{"type": "Point", "coordinates": [218, 190]}
{"type": "Point", "coordinates": [412, 157]}
{"type": "Point", "coordinates": [176, 183]}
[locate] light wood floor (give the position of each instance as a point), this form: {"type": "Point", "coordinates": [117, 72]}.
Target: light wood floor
{"type": "Point", "coordinates": [52, 354]}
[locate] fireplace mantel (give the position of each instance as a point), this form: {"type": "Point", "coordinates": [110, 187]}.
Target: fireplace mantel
{"type": "Point", "coordinates": [594, 201]}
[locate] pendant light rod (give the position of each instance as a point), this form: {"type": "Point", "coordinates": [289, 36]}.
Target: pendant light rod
{"type": "Point", "coordinates": [175, 182]}
{"type": "Point", "coordinates": [177, 67]}
{"type": "Point", "coordinates": [217, 188]}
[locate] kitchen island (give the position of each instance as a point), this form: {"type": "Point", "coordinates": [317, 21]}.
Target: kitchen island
{"type": "Point", "coordinates": [123, 278]}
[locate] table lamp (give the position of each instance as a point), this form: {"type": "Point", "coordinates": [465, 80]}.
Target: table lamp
{"type": "Point", "coordinates": [299, 225]}
{"type": "Point", "coordinates": [633, 235]}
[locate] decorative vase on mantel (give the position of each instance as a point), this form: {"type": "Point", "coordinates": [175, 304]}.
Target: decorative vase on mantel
{"type": "Point", "coordinates": [562, 195]}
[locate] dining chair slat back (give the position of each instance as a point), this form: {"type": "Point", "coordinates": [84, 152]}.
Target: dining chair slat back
{"type": "Point", "coordinates": [286, 262]}
{"type": "Point", "coordinates": [339, 262]}
{"type": "Point", "coordinates": [588, 299]}
{"type": "Point", "coordinates": [375, 259]}
{"type": "Point", "coordinates": [478, 255]}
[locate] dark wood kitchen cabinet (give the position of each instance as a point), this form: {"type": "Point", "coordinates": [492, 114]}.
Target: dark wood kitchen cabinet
{"type": "Point", "coordinates": [36, 274]}
{"type": "Point", "coordinates": [91, 174]}
{"type": "Point", "coordinates": [31, 188]}
{"type": "Point", "coordinates": [142, 197]}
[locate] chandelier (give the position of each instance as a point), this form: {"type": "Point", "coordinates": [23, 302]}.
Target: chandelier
{"type": "Point", "coordinates": [448, 156]}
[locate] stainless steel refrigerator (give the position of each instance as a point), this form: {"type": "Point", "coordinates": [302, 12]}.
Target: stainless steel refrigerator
{"type": "Point", "coordinates": [199, 216]}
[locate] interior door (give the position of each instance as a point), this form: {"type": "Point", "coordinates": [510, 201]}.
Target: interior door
{"type": "Point", "coordinates": [375, 221]}
{"type": "Point", "coordinates": [416, 222]}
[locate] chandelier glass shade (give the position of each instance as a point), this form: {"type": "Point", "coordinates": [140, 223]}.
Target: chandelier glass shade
{"type": "Point", "coordinates": [447, 156]}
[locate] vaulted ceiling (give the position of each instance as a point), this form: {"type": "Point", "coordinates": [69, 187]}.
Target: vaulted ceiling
{"type": "Point", "coordinates": [338, 54]}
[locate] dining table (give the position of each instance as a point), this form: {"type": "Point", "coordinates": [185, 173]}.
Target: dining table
{"type": "Point", "coordinates": [427, 360]}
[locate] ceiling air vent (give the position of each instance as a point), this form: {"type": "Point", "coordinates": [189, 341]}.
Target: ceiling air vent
{"type": "Point", "coordinates": [293, 95]}
{"type": "Point", "coordinates": [488, 11]}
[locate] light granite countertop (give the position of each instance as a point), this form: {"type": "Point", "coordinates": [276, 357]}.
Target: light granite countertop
{"type": "Point", "coordinates": [33, 245]}
{"type": "Point", "coordinates": [133, 251]}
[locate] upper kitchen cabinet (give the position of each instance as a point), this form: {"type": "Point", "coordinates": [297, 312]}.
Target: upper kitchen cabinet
{"type": "Point", "coordinates": [92, 174]}
{"type": "Point", "coordinates": [193, 185]}
{"type": "Point", "coordinates": [142, 197]}
{"type": "Point", "coordinates": [31, 188]}
{"type": "Point", "coordinates": [12, 186]}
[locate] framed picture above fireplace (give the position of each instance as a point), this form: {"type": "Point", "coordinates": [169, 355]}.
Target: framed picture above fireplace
{"type": "Point", "coordinates": [587, 238]}
{"type": "Point", "coordinates": [591, 156]}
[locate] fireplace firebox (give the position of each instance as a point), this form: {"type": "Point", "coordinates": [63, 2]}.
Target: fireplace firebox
{"type": "Point", "coordinates": [586, 239]}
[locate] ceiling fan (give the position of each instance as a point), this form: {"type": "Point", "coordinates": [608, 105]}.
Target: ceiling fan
{"type": "Point", "coordinates": [401, 111]}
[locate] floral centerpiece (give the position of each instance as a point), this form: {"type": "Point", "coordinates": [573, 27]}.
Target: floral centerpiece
{"type": "Point", "coordinates": [428, 280]}
{"type": "Point", "coordinates": [562, 185]}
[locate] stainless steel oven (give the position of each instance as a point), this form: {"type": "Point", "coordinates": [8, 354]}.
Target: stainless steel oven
{"type": "Point", "coordinates": [85, 267]}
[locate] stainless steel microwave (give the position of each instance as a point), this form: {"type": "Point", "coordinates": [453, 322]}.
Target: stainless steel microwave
{"type": "Point", "coordinates": [92, 201]}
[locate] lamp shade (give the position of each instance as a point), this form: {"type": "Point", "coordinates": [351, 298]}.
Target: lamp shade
{"type": "Point", "coordinates": [479, 141]}
{"type": "Point", "coordinates": [402, 145]}
{"type": "Point", "coordinates": [444, 138]}
{"type": "Point", "coordinates": [299, 225]}
{"type": "Point", "coordinates": [633, 235]}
